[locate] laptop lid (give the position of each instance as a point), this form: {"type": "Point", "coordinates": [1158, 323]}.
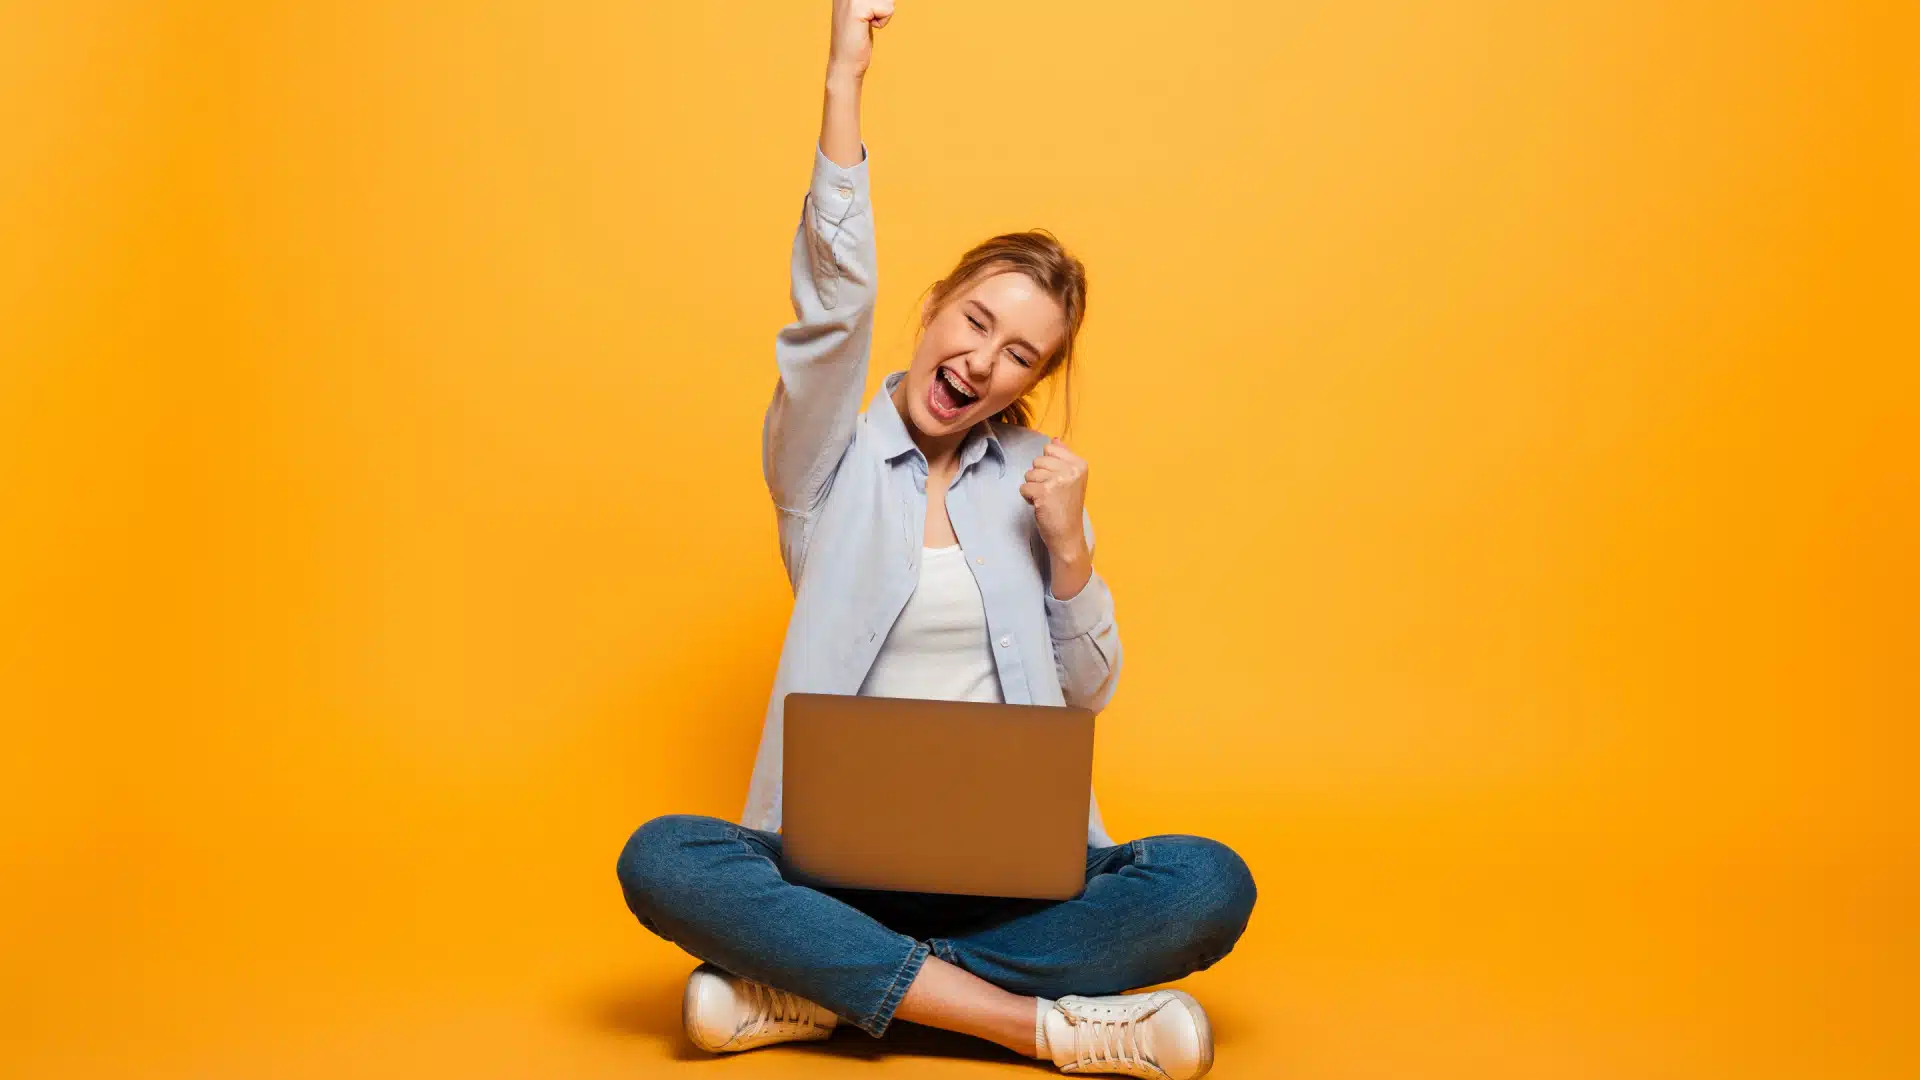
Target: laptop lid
{"type": "Point", "coordinates": [962, 797]}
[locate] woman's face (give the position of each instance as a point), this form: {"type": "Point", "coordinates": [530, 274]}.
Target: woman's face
{"type": "Point", "coordinates": [981, 352]}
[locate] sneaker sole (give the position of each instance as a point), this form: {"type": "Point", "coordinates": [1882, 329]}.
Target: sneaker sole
{"type": "Point", "coordinates": [686, 1011]}
{"type": "Point", "coordinates": [1204, 1029]}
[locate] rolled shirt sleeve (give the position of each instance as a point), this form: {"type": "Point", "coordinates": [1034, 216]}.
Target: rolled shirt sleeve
{"type": "Point", "coordinates": [1086, 640]}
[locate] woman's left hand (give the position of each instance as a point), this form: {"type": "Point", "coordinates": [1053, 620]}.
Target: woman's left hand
{"type": "Point", "coordinates": [1057, 487]}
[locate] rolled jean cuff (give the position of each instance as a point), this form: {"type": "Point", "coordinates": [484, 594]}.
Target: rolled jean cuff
{"type": "Point", "coordinates": [875, 1023]}
{"type": "Point", "coordinates": [943, 949]}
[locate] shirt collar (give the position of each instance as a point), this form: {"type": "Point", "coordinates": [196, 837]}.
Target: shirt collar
{"type": "Point", "coordinates": [894, 439]}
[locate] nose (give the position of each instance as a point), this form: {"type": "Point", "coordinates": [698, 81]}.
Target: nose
{"type": "Point", "coordinates": [980, 367]}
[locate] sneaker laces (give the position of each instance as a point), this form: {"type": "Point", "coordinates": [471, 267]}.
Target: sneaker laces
{"type": "Point", "coordinates": [773, 1007]}
{"type": "Point", "coordinates": [1108, 1043]}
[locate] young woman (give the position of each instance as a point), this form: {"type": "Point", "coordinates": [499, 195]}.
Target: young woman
{"type": "Point", "coordinates": [938, 548]}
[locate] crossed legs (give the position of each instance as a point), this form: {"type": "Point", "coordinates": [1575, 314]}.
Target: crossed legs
{"type": "Point", "coordinates": [1153, 910]}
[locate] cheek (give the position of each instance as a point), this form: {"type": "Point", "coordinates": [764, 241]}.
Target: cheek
{"type": "Point", "coordinates": [1011, 381]}
{"type": "Point", "coordinates": [935, 345]}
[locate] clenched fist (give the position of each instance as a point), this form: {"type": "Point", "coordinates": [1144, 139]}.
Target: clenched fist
{"type": "Point", "coordinates": [854, 22]}
{"type": "Point", "coordinates": [1056, 485]}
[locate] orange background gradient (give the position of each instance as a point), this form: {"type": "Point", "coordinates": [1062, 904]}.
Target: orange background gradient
{"type": "Point", "coordinates": [1503, 428]}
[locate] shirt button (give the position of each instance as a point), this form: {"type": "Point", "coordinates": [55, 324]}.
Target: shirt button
{"type": "Point", "coordinates": [1005, 641]}
{"type": "Point", "coordinates": [844, 192]}
{"type": "Point", "coordinates": [979, 560]}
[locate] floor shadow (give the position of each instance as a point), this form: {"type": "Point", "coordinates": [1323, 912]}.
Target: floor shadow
{"type": "Point", "coordinates": [905, 1039]}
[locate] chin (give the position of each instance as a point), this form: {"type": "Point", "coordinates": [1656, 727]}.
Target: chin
{"type": "Point", "coordinates": [927, 425]}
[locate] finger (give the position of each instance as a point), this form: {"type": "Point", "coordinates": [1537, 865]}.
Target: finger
{"type": "Point", "coordinates": [1031, 492]}
{"type": "Point", "coordinates": [1040, 476]}
{"type": "Point", "coordinates": [1061, 471]}
{"type": "Point", "coordinates": [1065, 470]}
{"type": "Point", "coordinates": [1058, 449]}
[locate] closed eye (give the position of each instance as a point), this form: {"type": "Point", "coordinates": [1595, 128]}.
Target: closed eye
{"type": "Point", "coordinates": [1017, 358]}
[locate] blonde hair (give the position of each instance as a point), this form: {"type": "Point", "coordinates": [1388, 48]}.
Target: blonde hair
{"type": "Point", "coordinates": [1039, 255]}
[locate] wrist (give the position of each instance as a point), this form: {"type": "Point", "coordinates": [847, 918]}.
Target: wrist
{"type": "Point", "coordinates": [1069, 555]}
{"type": "Point", "coordinates": [844, 80]}
{"type": "Point", "coordinates": [1068, 578]}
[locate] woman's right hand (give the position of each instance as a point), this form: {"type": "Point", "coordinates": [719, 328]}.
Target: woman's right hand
{"type": "Point", "coordinates": [854, 22]}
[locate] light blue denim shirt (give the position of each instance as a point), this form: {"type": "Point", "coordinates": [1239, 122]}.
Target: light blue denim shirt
{"type": "Point", "coordinates": [849, 490]}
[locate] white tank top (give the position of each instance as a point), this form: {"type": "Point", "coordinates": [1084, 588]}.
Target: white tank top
{"type": "Point", "coordinates": [938, 647]}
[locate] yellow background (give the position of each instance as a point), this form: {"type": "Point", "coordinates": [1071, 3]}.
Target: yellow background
{"type": "Point", "coordinates": [1502, 421]}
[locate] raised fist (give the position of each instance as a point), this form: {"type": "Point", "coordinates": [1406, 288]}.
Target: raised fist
{"type": "Point", "coordinates": [854, 22]}
{"type": "Point", "coordinates": [1056, 485]}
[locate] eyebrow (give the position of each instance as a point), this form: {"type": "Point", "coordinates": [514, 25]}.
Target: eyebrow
{"type": "Point", "coordinates": [992, 318]}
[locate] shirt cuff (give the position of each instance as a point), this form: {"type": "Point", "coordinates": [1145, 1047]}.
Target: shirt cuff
{"type": "Point", "coordinates": [1082, 614]}
{"type": "Point", "coordinates": [838, 191]}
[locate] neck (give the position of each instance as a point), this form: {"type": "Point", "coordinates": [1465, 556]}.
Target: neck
{"type": "Point", "coordinates": [941, 451]}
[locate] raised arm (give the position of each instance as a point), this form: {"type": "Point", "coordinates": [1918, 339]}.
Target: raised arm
{"type": "Point", "coordinates": [854, 22]}
{"type": "Point", "coordinates": [822, 354]}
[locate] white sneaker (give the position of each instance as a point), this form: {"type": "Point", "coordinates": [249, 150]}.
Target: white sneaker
{"type": "Point", "coordinates": [1159, 1035]}
{"type": "Point", "coordinates": [724, 1013]}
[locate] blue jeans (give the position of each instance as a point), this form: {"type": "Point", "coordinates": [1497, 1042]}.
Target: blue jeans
{"type": "Point", "coordinates": [1153, 910]}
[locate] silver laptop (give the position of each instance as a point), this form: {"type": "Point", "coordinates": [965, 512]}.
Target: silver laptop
{"type": "Point", "coordinates": [958, 797]}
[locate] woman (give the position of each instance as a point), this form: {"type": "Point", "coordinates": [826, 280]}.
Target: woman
{"type": "Point", "coordinates": [938, 548]}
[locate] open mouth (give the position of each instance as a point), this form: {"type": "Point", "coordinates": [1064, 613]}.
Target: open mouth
{"type": "Point", "coordinates": [948, 397]}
